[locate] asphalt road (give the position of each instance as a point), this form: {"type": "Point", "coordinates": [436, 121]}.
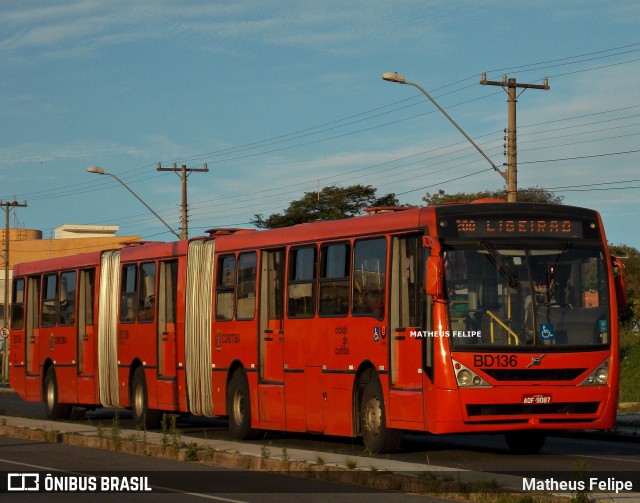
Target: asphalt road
{"type": "Point", "coordinates": [484, 453]}
{"type": "Point", "coordinates": [162, 480]}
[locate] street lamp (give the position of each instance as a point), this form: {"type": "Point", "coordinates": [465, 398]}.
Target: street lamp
{"type": "Point", "coordinates": [399, 78]}
{"type": "Point", "coordinates": [98, 170]}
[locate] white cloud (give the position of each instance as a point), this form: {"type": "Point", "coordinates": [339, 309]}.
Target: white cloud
{"type": "Point", "coordinates": [32, 153]}
{"type": "Point", "coordinates": [325, 26]}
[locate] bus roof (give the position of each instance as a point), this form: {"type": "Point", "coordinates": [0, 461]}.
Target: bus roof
{"type": "Point", "coordinates": [88, 259]}
{"type": "Point", "coordinates": [408, 220]}
{"type": "Point", "coordinates": [395, 220]}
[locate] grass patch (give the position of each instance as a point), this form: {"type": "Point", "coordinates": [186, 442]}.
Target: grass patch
{"type": "Point", "coordinates": [351, 464]}
{"type": "Point", "coordinates": [629, 365]}
{"type": "Point", "coordinates": [191, 453]}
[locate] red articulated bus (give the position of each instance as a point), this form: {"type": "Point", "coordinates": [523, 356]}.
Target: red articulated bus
{"type": "Point", "coordinates": [475, 317]}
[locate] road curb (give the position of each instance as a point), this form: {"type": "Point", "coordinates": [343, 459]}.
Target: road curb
{"type": "Point", "coordinates": [7, 391]}
{"type": "Point", "coordinates": [456, 484]}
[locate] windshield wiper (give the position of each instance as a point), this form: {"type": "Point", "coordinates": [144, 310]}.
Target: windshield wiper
{"type": "Point", "coordinates": [498, 260]}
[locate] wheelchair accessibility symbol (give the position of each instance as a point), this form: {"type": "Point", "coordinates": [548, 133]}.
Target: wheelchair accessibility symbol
{"type": "Point", "coordinates": [547, 332]}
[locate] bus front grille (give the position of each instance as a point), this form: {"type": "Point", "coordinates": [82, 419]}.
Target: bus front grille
{"type": "Point", "coordinates": [534, 374]}
{"type": "Point", "coordinates": [483, 410]}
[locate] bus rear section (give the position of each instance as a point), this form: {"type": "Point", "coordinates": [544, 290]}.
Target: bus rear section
{"type": "Point", "coordinates": [529, 321]}
{"type": "Point", "coordinates": [53, 344]}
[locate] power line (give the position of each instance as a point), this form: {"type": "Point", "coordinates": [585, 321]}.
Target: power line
{"type": "Point", "coordinates": [584, 124]}
{"type": "Point", "coordinates": [446, 181]}
{"type": "Point", "coordinates": [581, 157]}
{"type": "Point", "coordinates": [599, 189]}
{"type": "Point", "coordinates": [513, 68]}
{"type": "Point", "coordinates": [633, 180]}
{"type": "Point", "coordinates": [431, 172]}
{"type": "Point", "coordinates": [276, 192]}
{"type": "Point", "coordinates": [580, 116]}
{"type": "Point", "coordinates": [360, 118]}
{"type": "Point", "coordinates": [312, 130]}
{"type": "Point", "coordinates": [82, 186]}
{"type": "Point", "coordinates": [593, 140]}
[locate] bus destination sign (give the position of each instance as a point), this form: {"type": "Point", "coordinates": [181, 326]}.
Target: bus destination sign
{"type": "Point", "coordinates": [470, 227]}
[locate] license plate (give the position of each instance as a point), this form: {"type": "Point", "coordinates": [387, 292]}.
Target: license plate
{"type": "Point", "coordinates": [536, 399]}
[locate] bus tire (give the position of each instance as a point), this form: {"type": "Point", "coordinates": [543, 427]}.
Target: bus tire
{"type": "Point", "coordinates": [54, 409]}
{"type": "Point", "coordinates": [377, 437]}
{"type": "Point", "coordinates": [142, 415]}
{"type": "Point", "coordinates": [239, 408]}
{"type": "Point", "coordinates": [525, 442]}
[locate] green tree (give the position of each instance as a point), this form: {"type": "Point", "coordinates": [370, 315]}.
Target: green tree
{"type": "Point", "coordinates": [331, 203]}
{"type": "Point", "coordinates": [526, 195]}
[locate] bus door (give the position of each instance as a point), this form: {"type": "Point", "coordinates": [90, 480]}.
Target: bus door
{"type": "Point", "coordinates": [87, 384]}
{"type": "Point", "coordinates": [408, 335]}
{"type": "Point", "coordinates": [304, 350]}
{"type": "Point", "coordinates": [33, 385]}
{"type": "Point", "coordinates": [15, 345]}
{"type": "Point", "coordinates": [62, 331]}
{"type": "Point", "coordinates": [166, 333]}
{"type": "Point", "coordinates": [271, 384]}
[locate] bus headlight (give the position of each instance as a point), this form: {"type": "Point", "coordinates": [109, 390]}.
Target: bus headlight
{"type": "Point", "coordinates": [464, 378]}
{"type": "Point", "coordinates": [599, 377]}
{"type": "Point", "coordinates": [602, 375]}
{"type": "Point", "coordinates": [467, 377]}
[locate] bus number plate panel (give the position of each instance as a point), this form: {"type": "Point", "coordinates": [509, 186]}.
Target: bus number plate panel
{"type": "Point", "coordinates": [536, 399]}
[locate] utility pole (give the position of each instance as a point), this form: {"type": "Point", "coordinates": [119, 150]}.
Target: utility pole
{"type": "Point", "coordinates": [184, 173]}
{"type": "Point", "coordinates": [510, 86]}
{"type": "Point", "coordinates": [8, 205]}
{"type": "Point", "coordinates": [399, 78]}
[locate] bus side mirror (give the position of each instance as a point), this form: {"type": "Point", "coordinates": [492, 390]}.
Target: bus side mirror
{"type": "Point", "coordinates": [620, 283]}
{"type": "Point", "coordinates": [434, 277]}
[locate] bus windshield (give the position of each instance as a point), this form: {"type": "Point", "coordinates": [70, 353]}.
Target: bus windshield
{"type": "Point", "coordinates": [505, 297]}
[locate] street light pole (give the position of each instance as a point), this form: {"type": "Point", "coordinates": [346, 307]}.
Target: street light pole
{"type": "Point", "coordinates": [399, 78]}
{"type": "Point", "coordinates": [8, 205]}
{"type": "Point", "coordinates": [98, 170]}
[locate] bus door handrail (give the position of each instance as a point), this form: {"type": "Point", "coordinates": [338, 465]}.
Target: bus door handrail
{"type": "Point", "coordinates": [503, 325]}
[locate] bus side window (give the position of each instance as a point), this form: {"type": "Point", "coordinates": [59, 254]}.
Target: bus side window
{"type": "Point", "coordinates": [246, 286]}
{"type": "Point", "coordinates": [128, 297]}
{"type": "Point", "coordinates": [32, 303]}
{"type": "Point", "coordinates": [49, 300]}
{"type": "Point", "coordinates": [68, 298]}
{"type": "Point", "coordinates": [147, 292]}
{"type": "Point", "coordinates": [17, 305]}
{"type": "Point", "coordinates": [334, 279]}
{"type": "Point", "coordinates": [408, 290]}
{"type": "Point", "coordinates": [369, 277]}
{"type": "Point", "coordinates": [225, 287]}
{"type": "Point", "coordinates": [167, 293]}
{"type": "Point", "coordinates": [301, 293]}
{"type": "Point", "coordinates": [86, 298]}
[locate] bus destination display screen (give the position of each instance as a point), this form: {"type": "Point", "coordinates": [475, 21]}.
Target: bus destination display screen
{"type": "Point", "coordinates": [487, 227]}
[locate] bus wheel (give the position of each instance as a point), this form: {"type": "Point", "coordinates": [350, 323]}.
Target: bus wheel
{"type": "Point", "coordinates": [239, 408]}
{"type": "Point", "coordinates": [55, 409]}
{"type": "Point", "coordinates": [377, 437]}
{"type": "Point", "coordinates": [142, 415]}
{"type": "Point", "coordinates": [525, 442]}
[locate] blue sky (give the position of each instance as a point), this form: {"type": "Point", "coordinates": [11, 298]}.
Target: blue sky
{"type": "Point", "coordinates": [280, 97]}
